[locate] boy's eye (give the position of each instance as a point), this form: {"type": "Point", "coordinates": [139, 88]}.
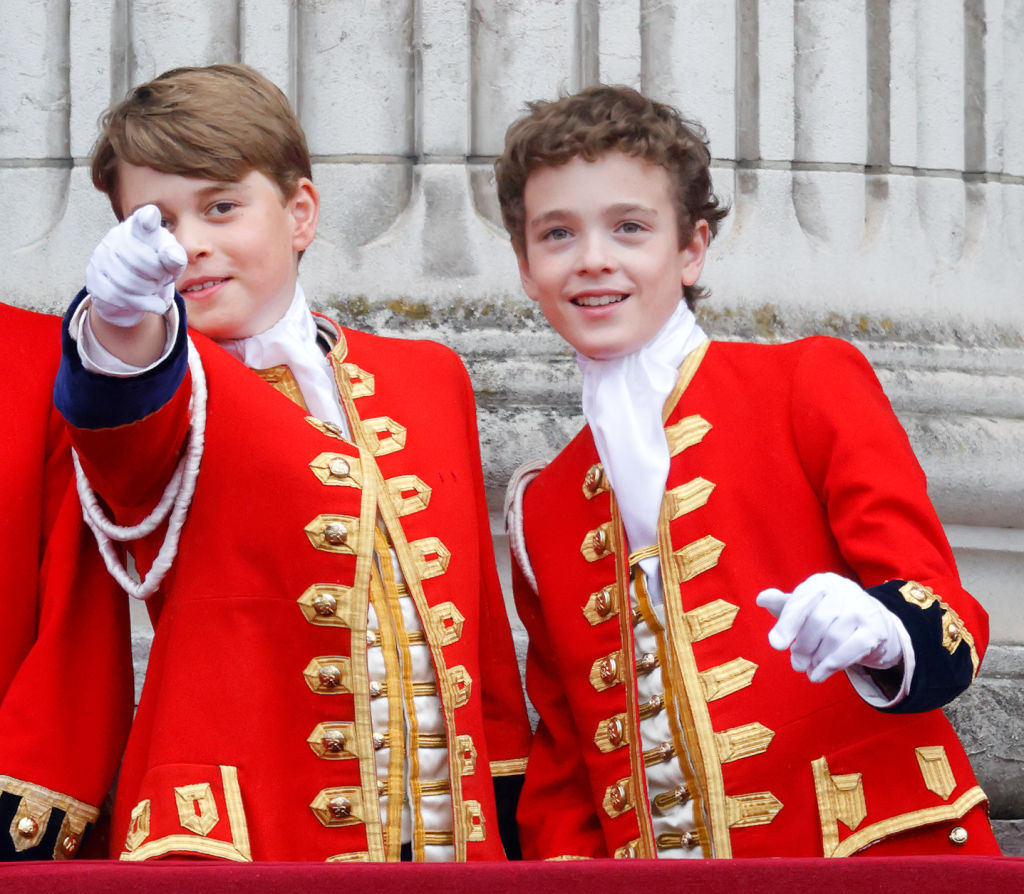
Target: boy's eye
{"type": "Point", "coordinates": [557, 233]}
{"type": "Point", "coordinates": [223, 207]}
{"type": "Point", "coordinates": [630, 227]}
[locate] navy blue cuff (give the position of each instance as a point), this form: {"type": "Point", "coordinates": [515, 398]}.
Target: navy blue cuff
{"type": "Point", "coordinates": [47, 845]}
{"type": "Point", "coordinates": [939, 675]}
{"type": "Point", "coordinates": [92, 400]}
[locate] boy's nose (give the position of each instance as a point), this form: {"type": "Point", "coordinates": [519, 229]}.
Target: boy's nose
{"type": "Point", "coordinates": [193, 239]}
{"type": "Point", "coordinates": [595, 254]}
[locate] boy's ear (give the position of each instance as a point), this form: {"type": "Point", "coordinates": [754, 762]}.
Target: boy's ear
{"type": "Point", "coordinates": [529, 285]}
{"type": "Point", "coordinates": [304, 206]}
{"type": "Point", "coordinates": [693, 253]}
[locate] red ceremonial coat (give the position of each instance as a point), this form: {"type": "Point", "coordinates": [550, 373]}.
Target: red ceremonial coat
{"type": "Point", "coordinates": [785, 461]}
{"type": "Point", "coordinates": [65, 661]}
{"type": "Point", "coordinates": [259, 652]}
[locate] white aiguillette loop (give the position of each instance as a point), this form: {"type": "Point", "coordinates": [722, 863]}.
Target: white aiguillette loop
{"type": "Point", "coordinates": [174, 503]}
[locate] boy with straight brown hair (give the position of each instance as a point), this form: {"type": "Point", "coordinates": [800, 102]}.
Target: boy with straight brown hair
{"type": "Point", "coordinates": [713, 481]}
{"type": "Point", "coordinates": [332, 674]}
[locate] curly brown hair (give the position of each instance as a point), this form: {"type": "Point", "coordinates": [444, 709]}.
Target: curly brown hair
{"type": "Point", "coordinates": [605, 119]}
{"type": "Point", "coordinates": [215, 123]}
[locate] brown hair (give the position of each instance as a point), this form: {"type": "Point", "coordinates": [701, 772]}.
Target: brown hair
{"type": "Point", "coordinates": [605, 119]}
{"type": "Point", "coordinates": [216, 123]}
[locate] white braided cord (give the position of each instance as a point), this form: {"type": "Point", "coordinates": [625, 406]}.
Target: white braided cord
{"type": "Point", "coordinates": [175, 501]}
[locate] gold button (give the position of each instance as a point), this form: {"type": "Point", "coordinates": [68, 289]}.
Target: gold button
{"type": "Point", "coordinates": [593, 479]}
{"type": "Point", "coordinates": [953, 630]}
{"type": "Point", "coordinates": [603, 602]}
{"type": "Point", "coordinates": [339, 467]}
{"type": "Point", "coordinates": [615, 731]}
{"type": "Point", "coordinates": [340, 807]}
{"type": "Point", "coordinates": [378, 741]}
{"type": "Point", "coordinates": [333, 740]}
{"type": "Point", "coordinates": [329, 676]}
{"type": "Point", "coordinates": [656, 703]}
{"type": "Point", "coordinates": [336, 533]}
{"type": "Point", "coordinates": [681, 793]}
{"type": "Point", "coordinates": [70, 844]}
{"type": "Point", "coordinates": [628, 852]}
{"type": "Point", "coordinates": [666, 749]}
{"type": "Point", "coordinates": [599, 540]}
{"type": "Point", "coordinates": [609, 670]}
{"type": "Point", "coordinates": [617, 796]}
{"type": "Point", "coordinates": [325, 605]}
{"type": "Point", "coordinates": [374, 689]}
{"type": "Point", "coordinates": [27, 827]}
{"type": "Point", "coordinates": [648, 661]}
{"type": "Point", "coordinates": [371, 637]}
{"type": "Point", "coordinates": [689, 840]}
{"type": "Point", "coordinates": [958, 836]}
{"type": "Point", "coordinates": [382, 787]}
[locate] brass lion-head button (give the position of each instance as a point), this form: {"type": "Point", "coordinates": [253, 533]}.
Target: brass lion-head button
{"type": "Point", "coordinates": [325, 605]}
{"type": "Point", "coordinates": [599, 541]}
{"type": "Point", "coordinates": [689, 840]}
{"type": "Point", "coordinates": [615, 732]}
{"type": "Point", "coordinates": [593, 480]}
{"type": "Point", "coordinates": [647, 662]}
{"type": "Point", "coordinates": [375, 689]}
{"type": "Point", "coordinates": [333, 741]}
{"type": "Point", "coordinates": [371, 637]}
{"type": "Point", "coordinates": [336, 533]}
{"type": "Point", "coordinates": [603, 602]}
{"type": "Point", "coordinates": [958, 836]}
{"type": "Point", "coordinates": [339, 467]}
{"type": "Point", "coordinates": [378, 741]}
{"type": "Point", "coordinates": [70, 844]}
{"type": "Point", "coordinates": [609, 669]}
{"type": "Point", "coordinates": [617, 797]}
{"type": "Point", "coordinates": [27, 827]}
{"type": "Point", "coordinates": [329, 676]}
{"type": "Point", "coordinates": [340, 807]}
{"type": "Point", "coordinates": [681, 793]}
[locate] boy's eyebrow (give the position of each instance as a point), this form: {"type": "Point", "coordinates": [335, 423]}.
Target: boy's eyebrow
{"type": "Point", "coordinates": [616, 210]}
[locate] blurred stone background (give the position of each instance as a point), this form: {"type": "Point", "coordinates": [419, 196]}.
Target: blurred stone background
{"type": "Point", "coordinates": [872, 151]}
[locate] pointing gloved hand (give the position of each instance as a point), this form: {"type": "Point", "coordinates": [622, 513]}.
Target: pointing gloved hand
{"type": "Point", "coordinates": [829, 623]}
{"type": "Point", "coordinates": [133, 269]}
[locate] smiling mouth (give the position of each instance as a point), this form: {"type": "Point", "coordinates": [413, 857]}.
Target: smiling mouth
{"type": "Point", "coordinates": [206, 284]}
{"type": "Point", "coordinates": [598, 300]}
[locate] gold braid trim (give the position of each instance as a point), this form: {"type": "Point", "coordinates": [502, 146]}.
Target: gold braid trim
{"type": "Point", "coordinates": [34, 811]}
{"type": "Point", "coordinates": [512, 767]}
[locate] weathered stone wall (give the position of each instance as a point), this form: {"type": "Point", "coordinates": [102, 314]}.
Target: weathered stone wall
{"type": "Point", "coordinates": [872, 150]}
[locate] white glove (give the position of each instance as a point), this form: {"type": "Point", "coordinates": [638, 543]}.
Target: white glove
{"type": "Point", "coordinates": [133, 269]}
{"type": "Point", "coordinates": [829, 623]}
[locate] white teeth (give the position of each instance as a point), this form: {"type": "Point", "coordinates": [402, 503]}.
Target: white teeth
{"type": "Point", "coordinates": [597, 300]}
{"type": "Point", "coordinates": [202, 285]}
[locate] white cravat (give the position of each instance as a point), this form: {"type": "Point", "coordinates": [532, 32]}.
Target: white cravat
{"type": "Point", "coordinates": [623, 399]}
{"type": "Point", "coordinates": [292, 341]}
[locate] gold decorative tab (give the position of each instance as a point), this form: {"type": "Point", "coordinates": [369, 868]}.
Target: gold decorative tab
{"type": "Point", "coordinates": [743, 741]}
{"type": "Point", "coordinates": [598, 543]}
{"type": "Point", "coordinates": [431, 557]}
{"type": "Point", "coordinates": [409, 494]}
{"type": "Point", "coordinates": [329, 675]}
{"type": "Point", "coordinates": [687, 432]}
{"type": "Point", "coordinates": [628, 851]}
{"type": "Point", "coordinates": [465, 755]}
{"type": "Point", "coordinates": [473, 822]}
{"type": "Point", "coordinates": [383, 435]}
{"type": "Point", "coordinates": [618, 798]}
{"type": "Point", "coordinates": [282, 379]}
{"type": "Point", "coordinates": [918, 594]}
{"type": "Point", "coordinates": [840, 799]}
{"type": "Point", "coordinates": [360, 382]}
{"type": "Point", "coordinates": [197, 808]}
{"type": "Point", "coordinates": [711, 618]}
{"type": "Point", "coordinates": [606, 672]}
{"type": "Point", "coordinates": [595, 482]}
{"type": "Point", "coordinates": [337, 470]}
{"type": "Point", "coordinates": [755, 809]}
{"type": "Point", "coordinates": [688, 497]}
{"type": "Point", "coordinates": [331, 429]}
{"type": "Point", "coordinates": [612, 733]}
{"type": "Point", "coordinates": [330, 605]}
{"type": "Point", "coordinates": [725, 679]}
{"type": "Point", "coordinates": [935, 770]}
{"type": "Point", "coordinates": [602, 605]}
{"type": "Point", "coordinates": [339, 806]}
{"type": "Point", "coordinates": [29, 824]}
{"type": "Point", "coordinates": [462, 683]}
{"type": "Point", "coordinates": [697, 557]}
{"type": "Point", "coordinates": [138, 826]}
{"type": "Point", "coordinates": [334, 740]}
{"type": "Point", "coordinates": [334, 533]}
{"type": "Point", "coordinates": [445, 622]}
